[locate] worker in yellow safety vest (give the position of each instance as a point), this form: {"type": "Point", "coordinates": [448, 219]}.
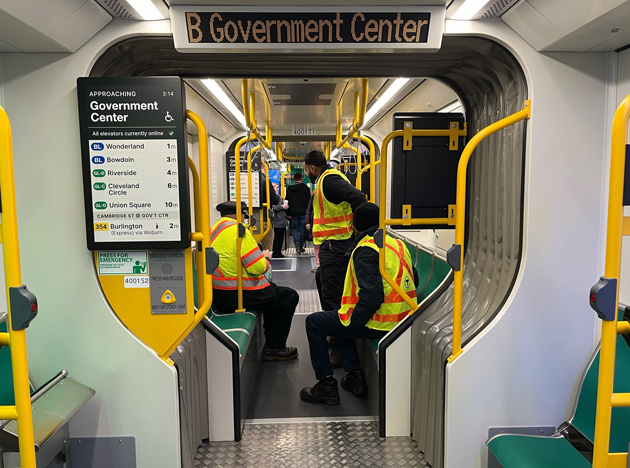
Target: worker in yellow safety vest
{"type": "Point", "coordinates": [277, 303]}
{"type": "Point", "coordinates": [370, 308]}
{"type": "Point", "coordinates": [334, 201]}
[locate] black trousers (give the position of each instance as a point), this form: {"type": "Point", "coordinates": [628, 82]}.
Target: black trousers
{"type": "Point", "coordinates": [278, 240]}
{"type": "Point", "coordinates": [277, 313]}
{"type": "Point", "coordinates": [322, 324]}
{"type": "Point", "coordinates": [333, 263]}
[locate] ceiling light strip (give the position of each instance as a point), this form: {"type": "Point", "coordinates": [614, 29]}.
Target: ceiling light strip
{"type": "Point", "coordinates": [223, 98]}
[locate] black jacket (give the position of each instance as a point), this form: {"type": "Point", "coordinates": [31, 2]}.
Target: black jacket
{"type": "Point", "coordinates": [298, 195]}
{"type": "Point", "coordinates": [337, 190]}
{"type": "Point", "coordinates": [370, 281]}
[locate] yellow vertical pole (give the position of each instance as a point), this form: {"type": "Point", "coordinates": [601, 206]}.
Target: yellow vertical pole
{"type": "Point", "coordinates": [202, 225]}
{"type": "Point", "coordinates": [381, 224]}
{"type": "Point", "coordinates": [371, 167]}
{"type": "Point", "coordinates": [614, 235]}
{"type": "Point", "coordinates": [239, 239]}
{"type": "Point", "coordinates": [13, 278]}
{"type": "Point", "coordinates": [249, 184]}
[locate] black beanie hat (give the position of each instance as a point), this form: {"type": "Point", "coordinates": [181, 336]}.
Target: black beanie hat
{"type": "Point", "coordinates": [366, 216]}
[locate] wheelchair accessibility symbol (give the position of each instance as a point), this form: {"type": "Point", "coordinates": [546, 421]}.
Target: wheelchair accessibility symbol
{"type": "Point", "coordinates": [168, 117]}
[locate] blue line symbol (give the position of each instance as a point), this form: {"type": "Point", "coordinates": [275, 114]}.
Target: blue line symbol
{"type": "Point", "coordinates": [97, 146]}
{"type": "Point", "coordinates": [98, 159]}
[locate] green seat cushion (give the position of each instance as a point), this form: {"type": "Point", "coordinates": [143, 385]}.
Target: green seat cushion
{"type": "Point", "coordinates": [240, 337]}
{"type": "Point", "coordinates": [517, 451]}
{"type": "Point", "coordinates": [244, 320]}
{"type": "Point", "coordinates": [584, 419]}
{"type": "Point", "coordinates": [374, 343]}
{"type": "Point", "coordinates": [237, 326]}
{"type": "Point", "coordinates": [7, 397]}
{"type": "Point", "coordinates": [431, 270]}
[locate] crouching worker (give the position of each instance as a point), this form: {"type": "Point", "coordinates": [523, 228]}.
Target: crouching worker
{"type": "Point", "coordinates": [370, 307]}
{"type": "Point", "coordinates": [276, 303]}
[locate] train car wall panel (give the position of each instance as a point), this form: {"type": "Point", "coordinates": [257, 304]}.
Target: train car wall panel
{"type": "Point", "coordinates": [136, 392]}
{"type": "Point", "coordinates": [524, 368]}
{"type": "Point", "coordinates": [623, 89]}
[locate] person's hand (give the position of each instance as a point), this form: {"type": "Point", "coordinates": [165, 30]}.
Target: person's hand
{"type": "Point", "coordinates": [266, 253]}
{"type": "Point", "coordinates": [308, 226]}
{"type": "Point", "coordinates": [285, 207]}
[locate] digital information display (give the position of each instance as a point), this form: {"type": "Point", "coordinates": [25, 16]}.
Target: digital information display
{"type": "Point", "coordinates": [314, 28]}
{"type": "Point", "coordinates": [231, 175]}
{"type": "Point", "coordinates": [135, 173]}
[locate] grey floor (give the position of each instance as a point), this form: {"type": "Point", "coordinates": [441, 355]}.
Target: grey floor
{"type": "Point", "coordinates": [309, 445]}
{"type": "Point", "coordinates": [282, 430]}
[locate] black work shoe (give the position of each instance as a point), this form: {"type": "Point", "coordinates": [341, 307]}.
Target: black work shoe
{"type": "Point", "coordinates": [283, 354]}
{"type": "Point", "coordinates": [274, 255]}
{"type": "Point", "coordinates": [354, 382]}
{"type": "Point", "coordinates": [324, 391]}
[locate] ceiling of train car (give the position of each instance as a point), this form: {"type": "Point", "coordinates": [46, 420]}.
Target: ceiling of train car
{"type": "Point", "coordinates": [548, 25]}
{"type": "Point", "coordinates": [303, 112]}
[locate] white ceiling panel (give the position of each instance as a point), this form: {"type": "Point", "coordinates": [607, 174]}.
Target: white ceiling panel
{"type": "Point", "coordinates": [50, 26]}
{"type": "Point", "coordinates": [571, 25]}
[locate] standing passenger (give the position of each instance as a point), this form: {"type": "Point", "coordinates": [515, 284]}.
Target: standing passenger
{"type": "Point", "coordinates": [298, 195]}
{"type": "Point", "coordinates": [267, 240]}
{"type": "Point", "coordinates": [279, 227]}
{"type": "Point", "coordinates": [334, 201]}
{"type": "Point", "coordinates": [277, 303]}
{"type": "Point", "coordinates": [371, 307]}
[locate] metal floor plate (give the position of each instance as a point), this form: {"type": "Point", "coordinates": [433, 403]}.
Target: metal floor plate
{"type": "Point", "coordinates": [306, 445]}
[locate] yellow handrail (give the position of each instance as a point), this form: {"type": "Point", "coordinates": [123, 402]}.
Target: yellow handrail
{"type": "Point", "coordinates": [203, 206]}
{"type": "Point", "coordinates": [370, 167]}
{"type": "Point", "coordinates": [282, 187]}
{"type": "Point", "coordinates": [605, 396]}
{"type": "Point", "coordinates": [22, 411]}
{"type": "Point", "coordinates": [250, 195]}
{"type": "Point", "coordinates": [460, 219]}
{"type": "Point", "coordinates": [198, 259]}
{"type": "Point", "coordinates": [359, 114]}
{"type": "Point", "coordinates": [266, 205]}
{"type": "Point", "coordinates": [239, 239]}
{"type": "Point", "coordinates": [382, 204]}
{"type": "Point", "coordinates": [249, 103]}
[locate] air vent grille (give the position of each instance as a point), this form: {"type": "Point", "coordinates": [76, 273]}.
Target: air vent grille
{"type": "Point", "coordinates": [497, 9]}
{"type": "Point", "coordinates": [116, 9]}
{"type": "Point", "coordinates": [301, 94]}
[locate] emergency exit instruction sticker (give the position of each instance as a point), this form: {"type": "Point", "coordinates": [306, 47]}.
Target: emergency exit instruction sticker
{"type": "Point", "coordinates": [123, 263]}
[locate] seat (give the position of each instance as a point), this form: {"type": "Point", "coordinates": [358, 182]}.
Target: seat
{"type": "Point", "coordinates": [520, 451]}
{"type": "Point", "coordinates": [63, 398]}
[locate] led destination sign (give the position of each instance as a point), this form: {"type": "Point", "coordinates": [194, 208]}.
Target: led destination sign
{"type": "Point", "coordinates": [210, 28]}
{"type": "Point", "coordinates": [326, 28]}
{"type": "Point", "coordinates": [134, 164]}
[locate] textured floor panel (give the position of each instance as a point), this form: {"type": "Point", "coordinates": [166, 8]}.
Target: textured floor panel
{"type": "Point", "coordinates": [309, 302]}
{"type": "Point", "coordinates": [306, 445]}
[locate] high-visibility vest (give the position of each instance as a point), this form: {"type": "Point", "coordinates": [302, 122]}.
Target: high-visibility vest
{"type": "Point", "coordinates": [393, 309]}
{"type": "Point", "coordinates": [223, 238]}
{"type": "Point", "coordinates": [330, 221]}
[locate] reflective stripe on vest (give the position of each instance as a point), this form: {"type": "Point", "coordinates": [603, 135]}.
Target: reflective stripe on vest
{"type": "Point", "coordinates": [330, 221]}
{"type": "Point", "coordinates": [224, 242]}
{"type": "Point", "coordinates": [394, 308]}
